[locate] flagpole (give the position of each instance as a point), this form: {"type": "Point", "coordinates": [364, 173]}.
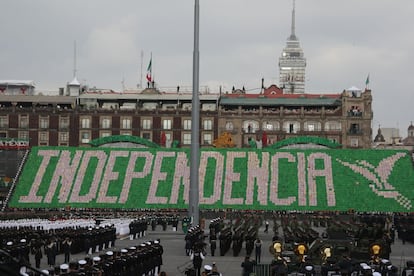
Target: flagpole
{"type": "Point", "coordinates": [142, 60]}
{"type": "Point", "coordinates": [193, 208]}
{"type": "Point", "coordinates": [152, 75]}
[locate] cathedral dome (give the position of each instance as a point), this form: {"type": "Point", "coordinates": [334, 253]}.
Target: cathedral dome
{"type": "Point", "coordinates": [379, 137]}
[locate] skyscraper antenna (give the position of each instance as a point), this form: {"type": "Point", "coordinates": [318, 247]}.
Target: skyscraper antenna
{"type": "Point", "coordinates": [74, 59]}
{"type": "Point", "coordinates": [292, 30]}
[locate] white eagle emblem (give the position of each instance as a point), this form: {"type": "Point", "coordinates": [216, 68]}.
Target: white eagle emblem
{"type": "Point", "coordinates": [379, 177]}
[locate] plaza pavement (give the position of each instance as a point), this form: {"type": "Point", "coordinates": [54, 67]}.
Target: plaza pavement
{"type": "Point", "coordinates": [174, 256]}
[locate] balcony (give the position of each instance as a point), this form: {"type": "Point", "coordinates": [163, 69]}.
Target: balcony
{"type": "Point", "coordinates": [232, 131]}
{"type": "Point", "coordinates": [354, 114]}
{"type": "Point", "coordinates": [355, 131]}
{"type": "Point", "coordinates": [275, 111]}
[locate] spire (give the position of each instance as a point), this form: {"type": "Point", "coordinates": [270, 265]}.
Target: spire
{"type": "Point", "coordinates": [292, 31]}
{"type": "Point", "coordinates": [75, 81]}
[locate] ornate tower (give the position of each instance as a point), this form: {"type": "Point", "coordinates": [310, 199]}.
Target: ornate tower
{"type": "Point", "coordinates": [292, 63]}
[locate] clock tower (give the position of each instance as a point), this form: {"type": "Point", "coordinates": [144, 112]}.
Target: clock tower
{"type": "Point", "coordinates": [292, 63]}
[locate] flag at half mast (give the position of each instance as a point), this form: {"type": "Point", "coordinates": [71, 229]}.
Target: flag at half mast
{"type": "Point", "coordinates": [149, 71]}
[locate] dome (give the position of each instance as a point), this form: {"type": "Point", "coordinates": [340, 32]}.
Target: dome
{"type": "Point", "coordinates": [379, 137]}
{"type": "Point", "coordinates": [354, 88]}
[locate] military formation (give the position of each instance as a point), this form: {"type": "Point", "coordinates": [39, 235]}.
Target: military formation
{"type": "Point", "coordinates": [350, 243]}
{"type": "Point", "coordinates": [342, 244]}
{"type": "Point", "coordinates": [18, 242]}
{"type": "Point", "coordinates": [142, 259]}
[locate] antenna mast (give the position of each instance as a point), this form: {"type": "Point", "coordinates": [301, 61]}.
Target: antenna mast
{"type": "Point", "coordinates": [142, 58]}
{"type": "Point", "coordinates": [74, 59]}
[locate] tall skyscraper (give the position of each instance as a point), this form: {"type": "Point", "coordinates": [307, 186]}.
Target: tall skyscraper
{"type": "Point", "coordinates": [292, 63]}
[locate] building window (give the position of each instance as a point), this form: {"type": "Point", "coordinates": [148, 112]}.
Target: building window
{"type": "Point", "coordinates": [44, 122]}
{"type": "Point", "coordinates": [125, 133]}
{"type": "Point", "coordinates": [187, 124]}
{"type": "Point", "coordinates": [167, 124]}
{"type": "Point", "coordinates": [64, 122]}
{"type": "Point", "coordinates": [333, 140]}
{"type": "Point", "coordinates": [250, 126]}
{"type": "Point", "coordinates": [105, 133]}
{"type": "Point", "coordinates": [43, 136]}
{"type": "Point", "coordinates": [4, 122]}
{"type": "Point", "coordinates": [106, 123]}
{"type": "Point", "coordinates": [85, 123]}
{"type": "Point", "coordinates": [291, 127]}
{"type": "Point", "coordinates": [63, 137]}
{"type": "Point", "coordinates": [186, 106]}
{"type": "Point", "coordinates": [3, 134]}
{"type": "Point", "coordinates": [24, 121]}
{"type": "Point", "coordinates": [332, 125]}
{"type": "Point", "coordinates": [168, 139]}
{"type": "Point", "coordinates": [126, 123]}
{"type": "Point", "coordinates": [146, 123]}
{"type": "Point", "coordinates": [207, 138]}
{"type": "Point", "coordinates": [354, 142]}
{"type": "Point", "coordinates": [149, 106]}
{"type": "Point", "coordinates": [229, 126]}
{"type": "Point", "coordinates": [312, 126]}
{"type": "Point", "coordinates": [24, 135]}
{"type": "Point", "coordinates": [270, 126]}
{"type": "Point", "coordinates": [186, 138]}
{"type": "Point", "coordinates": [208, 124]}
{"type": "Point", "coordinates": [85, 137]}
{"type": "Point", "coordinates": [354, 129]}
{"type": "Point", "coordinates": [209, 107]}
{"type": "Point", "coordinates": [146, 135]}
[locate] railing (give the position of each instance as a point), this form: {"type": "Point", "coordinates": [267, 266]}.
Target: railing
{"type": "Point", "coordinates": [354, 113]}
{"type": "Point", "coordinates": [262, 269]}
{"type": "Point", "coordinates": [355, 131]}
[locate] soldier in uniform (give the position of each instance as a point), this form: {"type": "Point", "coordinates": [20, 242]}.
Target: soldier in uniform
{"type": "Point", "coordinates": [213, 243]}
{"type": "Point", "coordinates": [51, 252]}
{"type": "Point", "coordinates": [197, 257]}
{"type": "Point", "coordinates": [24, 252]}
{"type": "Point", "coordinates": [248, 266]}
{"type": "Point", "coordinates": [67, 248]}
{"type": "Point", "coordinates": [258, 250]}
{"type": "Point", "coordinates": [158, 250]}
{"type": "Point", "coordinates": [409, 269]}
{"type": "Point", "coordinates": [37, 250]}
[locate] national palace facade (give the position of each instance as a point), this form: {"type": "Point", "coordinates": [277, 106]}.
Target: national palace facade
{"type": "Point", "coordinates": [158, 116]}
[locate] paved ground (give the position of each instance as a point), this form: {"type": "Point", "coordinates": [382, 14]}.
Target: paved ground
{"type": "Point", "coordinates": [174, 254]}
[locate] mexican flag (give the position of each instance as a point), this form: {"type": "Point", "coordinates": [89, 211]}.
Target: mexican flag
{"type": "Point", "coordinates": [149, 71]}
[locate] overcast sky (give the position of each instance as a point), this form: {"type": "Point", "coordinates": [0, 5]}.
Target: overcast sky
{"type": "Point", "coordinates": [240, 42]}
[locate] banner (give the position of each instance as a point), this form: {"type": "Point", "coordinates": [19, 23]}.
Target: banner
{"type": "Point", "coordinates": [253, 179]}
{"type": "Point", "coordinates": [13, 144]}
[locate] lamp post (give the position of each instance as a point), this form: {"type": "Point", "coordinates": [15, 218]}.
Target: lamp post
{"type": "Point", "coordinates": [193, 208]}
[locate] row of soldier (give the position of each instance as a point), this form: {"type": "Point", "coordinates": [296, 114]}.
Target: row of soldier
{"type": "Point", "coordinates": [142, 259]}
{"type": "Point", "coordinates": [343, 266]}
{"type": "Point", "coordinates": [233, 234]}
{"type": "Point", "coordinates": [56, 241]}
